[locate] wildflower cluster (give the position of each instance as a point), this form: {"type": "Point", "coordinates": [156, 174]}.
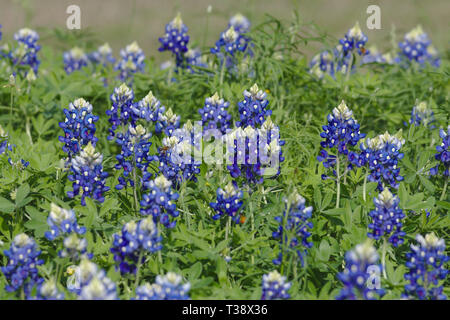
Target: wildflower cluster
{"type": "Point", "coordinates": [176, 157]}
{"type": "Point", "coordinates": [341, 58]}
{"type": "Point", "coordinates": [255, 153]}
{"type": "Point", "coordinates": [426, 263]}
{"type": "Point", "coordinates": [253, 109]}
{"type": "Point", "coordinates": [293, 228]}
{"type": "Point", "coordinates": [416, 46]}
{"type": "Point", "coordinates": [168, 287]}
{"type": "Point", "coordinates": [21, 271]}
{"type": "Point", "coordinates": [63, 222]}
{"type": "Point", "coordinates": [131, 62]}
{"type": "Point", "coordinates": [215, 115]}
{"type": "Point", "coordinates": [381, 154]}
{"type": "Point", "coordinates": [387, 218]}
{"type": "Point", "coordinates": [120, 113]}
{"type": "Point", "coordinates": [443, 153]}
{"type": "Point", "coordinates": [75, 59]}
{"type": "Point", "coordinates": [158, 201]}
{"type": "Point", "coordinates": [175, 39]}
{"type": "Point", "coordinates": [353, 40]}
{"type": "Point", "coordinates": [421, 114]}
{"type": "Point", "coordinates": [229, 202]}
{"type": "Point", "coordinates": [79, 127]}
{"type": "Point", "coordinates": [102, 56]}
{"type": "Point", "coordinates": [194, 58]}
{"type": "Point", "coordinates": [342, 131]}
{"type": "Point", "coordinates": [373, 55]}
{"type": "Point", "coordinates": [91, 283]}
{"type": "Point", "coordinates": [49, 291]}
{"type": "Point", "coordinates": [232, 41]}
{"type": "Point", "coordinates": [87, 175]}
{"type": "Point", "coordinates": [167, 122]}
{"type": "Point", "coordinates": [356, 276]}
{"type": "Point", "coordinates": [148, 109]}
{"type": "Point", "coordinates": [135, 239]}
{"type": "Point", "coordinates": [322, 63]}
{"type": "Point", "coordinates": [275, 287]}
{"type": "Point", "coordinates": [25, 55]}
{"type": "Point", "coordinates": [134, 154]}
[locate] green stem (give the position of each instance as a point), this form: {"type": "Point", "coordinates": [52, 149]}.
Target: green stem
{"type": "Point", "coordinates": [347, 76]}
{"type": "Point", "coordinates": [252, 224]}
{"type": "Point", "coordinates": [364, 188]}
{"type": "Point", "coordinates": [383, 257]}
{"type": "Point", "coordinates": [227, 228]}
{"type": "Point", "coordinates": [444, 190]}
{"type": "Point", "coordinates": [139, 263]}
{"type": "Point", "coordinates": [338, 182]}
{"type": "Point", "coordinates": [11, 107]}
{"type": "Point", "coordinates": [222, 73]}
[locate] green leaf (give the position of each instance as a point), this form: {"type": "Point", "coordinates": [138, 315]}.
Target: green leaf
{"type": "Point", "coordinates": [6, 206]}
{"type": "Point", "coordinates": [21, 193]}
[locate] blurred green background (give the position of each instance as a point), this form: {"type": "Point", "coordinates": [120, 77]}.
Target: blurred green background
{"type": "Point", "coordinates": [120, 22]}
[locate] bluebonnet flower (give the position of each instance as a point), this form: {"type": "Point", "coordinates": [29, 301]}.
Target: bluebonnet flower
{"type": "Point", "coordinates": [88, 176]}
{"type": "Point", "coordinates": [74, 248]}
{"type": "Point", "coordinates": [381, 154]}
{"type": "Point", "coordinates": [0, 32]}
{"type": "Point", "coordinates": [240, 23]}
{"type": "Point", "coordinates": [91, 283]}
{"type": "Point", "coordinates": [48, 291]}
{"type": "Point", "coordinates": [229, 202]}
{"type": "Point", "coordinates": [427, 266]}
{"type": "Point", "coordinates": [387, 218]}
{"type": "Point", "coordinates": [322, 63]}
{"type": "Point", "coordinates": [75, 59]}
{"type": "Point", "coordinates": [443, 153]}
{"type": "Point", "coordinates": [342, 131]}
{"type": "Point", "coordinates": [167, 122]}
{"type": "Point", "coordinates": [135, 146]}
{"type": "Point", "coordinates": [131, 62]}
{"type": "Point", "coordinates": [177, 157]}
{"type": "Point", "coordinates": [255, 153]}
{"type": "Point", "coordinates": [26, 52]}
{"type": "Point", "coordinates": [168, 287]}
{"type": "Point", "coordinates": [102, 56]}
{"type": "Point", "coordinates": [79, 127]}
{"type": "Point", "coordinates": [135, 239]}
{"type": "Point", "coordinates": [275, 287]}
{"type": "Point", "coordinates": [175, 39]}
{"type": "Point", "coordinates": [21, 271]}
{"type": "Point", "coordinates": [194, 58]}
{"type": "Point", "coordinates": [120, 113]}
{"type": "Point", "coordinates": [293, 228]}
{"type": "Point", "coordinates": [373, 55]}
{"type": "Point", "coordinates": [148, 109]}
{"type": "Point", "coordinates": [354, 39]}
{"type": "Point", "coordinates": [416, 46]}
{"type": "Point", "coordinates": [215, 115]}
{"type": "Point", "coordinates": [253, 109]}
{"type": "Point", "coordinates": [158, 201]}
{"type": "Point", "coordinates": [62, 222]}
{"type": "Point", "coordinates": [360, 265]}
{"type": "Point", "coordinates": [421, 114]}
{"type": "Point", "coordinates": [230, 43]}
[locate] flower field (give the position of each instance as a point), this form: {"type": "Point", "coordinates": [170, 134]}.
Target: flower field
{"type": "Point", "coordinates": [240, 169]}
